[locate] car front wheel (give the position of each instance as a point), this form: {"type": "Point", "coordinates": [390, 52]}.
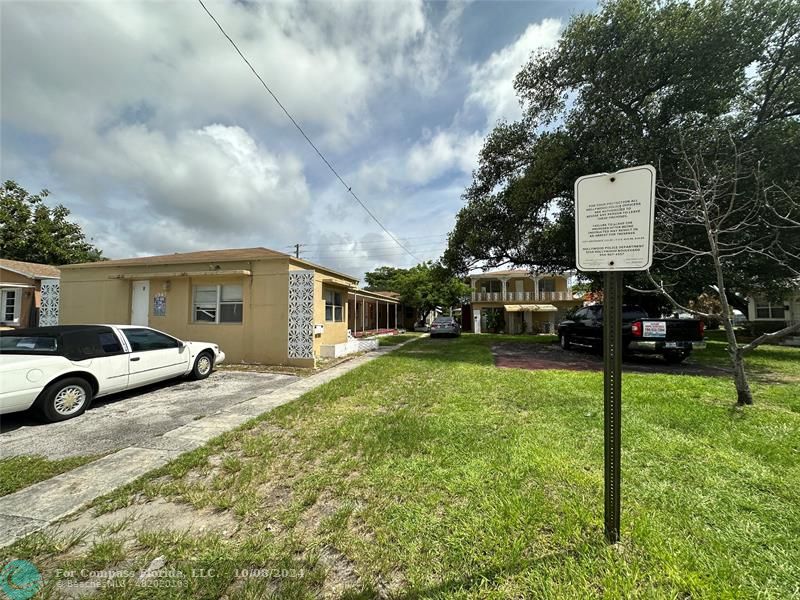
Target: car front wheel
{"type": "Point", "coordinates": [203, 365]}
{"type": "Point", "coordinates": [564, 341]}
{"type": "Point", "coordinates": [65, 399]}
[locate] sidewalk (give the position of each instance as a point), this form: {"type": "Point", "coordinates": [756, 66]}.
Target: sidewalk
{"type": "Point", "coordinates": [35, 507]}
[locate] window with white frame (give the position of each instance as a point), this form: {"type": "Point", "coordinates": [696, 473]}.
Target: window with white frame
{"type": "Point", "coordinates": [9, 303]}
{"type": "Point", "coordinates": [217, 303]}
{"type": "Point", "coordinates": [334, 311]}
{"type": "Point", "coordinates": [769, 310]}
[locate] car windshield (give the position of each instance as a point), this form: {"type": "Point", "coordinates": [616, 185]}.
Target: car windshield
{"type": "Point", "coordinates": [28, 344]}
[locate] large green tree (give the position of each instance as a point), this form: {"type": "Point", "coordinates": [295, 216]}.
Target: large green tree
{"type": "Point", "coordinates": [424, 287]}
{"type": "Point", "coordinates": [629, 85]}
{"type": "Point", "coordinates": [32, 231]}
{"type": "Point", "coordinates": [709, 93]}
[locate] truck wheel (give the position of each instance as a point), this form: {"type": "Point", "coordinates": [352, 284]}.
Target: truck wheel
{"type": "Point", "coordinates": [64, 399]}
{"type": "Point", "coordinates": [564, 341]}
{"type": "Point", "coordinates": [203, 365]}
{"type": "Point", "coordinates": [675, 358]}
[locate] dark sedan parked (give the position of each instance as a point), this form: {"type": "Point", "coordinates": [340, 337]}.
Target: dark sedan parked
{"type": "Point", "coordinates": [445, 326]}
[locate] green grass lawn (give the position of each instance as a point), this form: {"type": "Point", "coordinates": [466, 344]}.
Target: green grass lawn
{"type": "Point", "coordinates": [17, 472]}
{"type": "Point", "coordinates": [768, 360]}
{"type": "Point", "coordinates": [429, 473]}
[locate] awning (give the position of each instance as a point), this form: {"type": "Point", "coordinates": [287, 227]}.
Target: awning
{"type": "Point", "coordinates": [530, 308]}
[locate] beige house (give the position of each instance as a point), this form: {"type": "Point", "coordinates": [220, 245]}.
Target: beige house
{"type": "Point", "coordinates": [259, 305]}
{"type": "Point", "coordinates": [22, 303]}
{"type": "Point", "coordinates": [520, 301]}
{"type": "Point", "coordinates": [768, 315]}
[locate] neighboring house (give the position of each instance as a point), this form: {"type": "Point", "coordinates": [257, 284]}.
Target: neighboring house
{"type": "Point", "coordinates": [259, 305]}
{"type": "Point", "coordinates": [407, 316]}
{"type": "Point", "coordinates": [520, 300]}
{"type": "Point", "coordinates": [771, 315]}
{"type": "Point", "coordinates": [21, 294]}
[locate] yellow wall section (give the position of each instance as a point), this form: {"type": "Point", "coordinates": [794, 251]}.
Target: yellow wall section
{"type": "Point", "coordinates": [94, 295]}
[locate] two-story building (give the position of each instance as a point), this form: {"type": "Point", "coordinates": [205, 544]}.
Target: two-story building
{"type": "Point", "coordinates": [518, 301]}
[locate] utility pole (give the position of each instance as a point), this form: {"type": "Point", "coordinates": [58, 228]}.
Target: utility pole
{"type": "Point", "coordinates": [297, 250]}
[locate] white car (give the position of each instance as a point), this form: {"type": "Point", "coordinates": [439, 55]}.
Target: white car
{"type": "Point", "coordinates": [60, 370]}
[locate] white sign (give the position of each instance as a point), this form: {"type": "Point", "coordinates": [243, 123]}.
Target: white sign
{"type": "Point", "coordinates": [614, 220]}
{"type": "Point", "coordinates": [655, 329]}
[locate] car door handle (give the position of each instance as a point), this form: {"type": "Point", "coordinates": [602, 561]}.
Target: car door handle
{"type": "Point", "coordinates": [135, 358]}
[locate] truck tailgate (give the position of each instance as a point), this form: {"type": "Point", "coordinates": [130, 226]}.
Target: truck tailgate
{"type": "Point", "coordinates": [678, 330]}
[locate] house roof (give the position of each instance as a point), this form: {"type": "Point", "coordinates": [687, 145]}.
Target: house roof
{"type": "Point", "coordinates": [32, 270]}
{"type": "Point", "coordinates": [227, 255]}
{"type": "Point", "coordinates": [507, 272]}
{"type": "Point", "coordinates": [232, 254]}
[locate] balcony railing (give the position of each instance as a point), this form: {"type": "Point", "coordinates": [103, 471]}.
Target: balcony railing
{"type": "Point", "coordinates": [518, 297]}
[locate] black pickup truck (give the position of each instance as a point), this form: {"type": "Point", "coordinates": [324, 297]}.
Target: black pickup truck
{"type": "Point", "coordinates": [674, 339]}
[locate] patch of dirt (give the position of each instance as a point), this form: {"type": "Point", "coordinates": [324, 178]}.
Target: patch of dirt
{"type": "Point", "coordinates": [158, 514]}
{"type": "Point", "coordinates": [340, 574]}
{"type": "Point", "coordinates": [393, 586]}
{"type": "Point", "coordinates": [276, 497]}
{"type": "Point", "coordinates": [275, 431]}
{"type": "Point", "coordinates": [536, 357]}
{"type": "Point", "coordinates": [276, 369]}
{"type": "Point", "coordinates": [309, 522]}
{"type": "Point", "coordinates": [322, 365]}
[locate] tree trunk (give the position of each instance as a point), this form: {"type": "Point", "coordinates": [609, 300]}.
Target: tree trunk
{"type": "Point", "coordinates": [743, 394]}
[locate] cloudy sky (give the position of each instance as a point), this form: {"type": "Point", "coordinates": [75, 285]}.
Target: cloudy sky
{"type": "Point", "coordinates": [144, 122]}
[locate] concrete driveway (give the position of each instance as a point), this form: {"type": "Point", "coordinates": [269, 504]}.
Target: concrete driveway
{"type": "Point", "coordinates": [135, 418]}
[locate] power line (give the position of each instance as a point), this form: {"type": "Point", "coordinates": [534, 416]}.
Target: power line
{"type": "Point", "coordinates": [356, 249]}
{"type": "Point", "coordinates": [375, 255]}
{"type": "Point", "coordinates": [377, 242]}
{"type": "Point", "coordinates": [300, 129]}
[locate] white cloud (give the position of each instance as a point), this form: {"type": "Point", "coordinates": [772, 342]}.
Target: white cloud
{"type": "Point", "coordinates": [159, 138]}
{"type": "Point", "coordinates": [443, 152]}
{"type": "Point", "coordinates": [214, 183]}
{"type": "Point", "coordinates": [89, 64]}
{"type": "Point", "coordinates": [492, 82]}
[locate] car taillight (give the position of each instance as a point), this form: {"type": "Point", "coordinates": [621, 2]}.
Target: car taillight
{"type": "Point", "coordinates": [702, 328]}
{"type": "Point", "coordinates": [636, 329]}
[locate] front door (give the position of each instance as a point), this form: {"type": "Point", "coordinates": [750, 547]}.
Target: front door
{"type": "Point", "coordinates": [140, 303]}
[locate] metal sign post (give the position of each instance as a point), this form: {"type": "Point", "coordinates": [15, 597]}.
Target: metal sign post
{"type": "Point", "coordinates": [612, 398]}
{"type": "Point", "coordinates": [614, 215]}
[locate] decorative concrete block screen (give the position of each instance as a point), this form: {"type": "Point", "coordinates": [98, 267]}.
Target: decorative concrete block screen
{"type": "Point", "coordinates": [48, 310]}
{"type": "Point", "coordinates": [301, 314]}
